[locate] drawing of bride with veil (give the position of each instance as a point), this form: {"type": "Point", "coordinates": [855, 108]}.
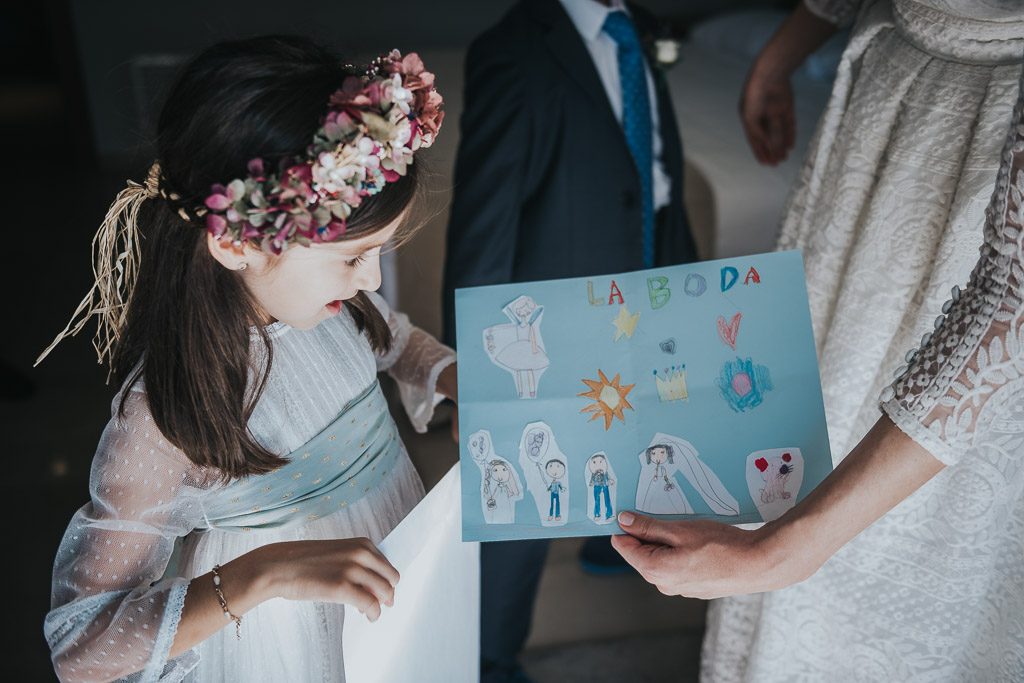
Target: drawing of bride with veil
{"type": "Point", "coordinates": [658, 491]}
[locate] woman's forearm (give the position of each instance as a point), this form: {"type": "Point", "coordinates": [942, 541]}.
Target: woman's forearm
{"type": "Point", "coordinates": [796, 38]}
{"type": "Point", "coordinates": [882, 470]}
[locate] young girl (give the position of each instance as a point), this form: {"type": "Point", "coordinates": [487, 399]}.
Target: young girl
{"type": "Point", "coordinates": [250, 425]}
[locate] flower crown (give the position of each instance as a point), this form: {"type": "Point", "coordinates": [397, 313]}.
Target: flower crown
{"type": "Point", "coordinates": [373, 126]}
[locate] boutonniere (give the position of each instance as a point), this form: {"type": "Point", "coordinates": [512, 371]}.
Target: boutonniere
{"type": "Point", "coordinates": [666, 53]}
{"type": "Point", "coordinates": [663, 52]}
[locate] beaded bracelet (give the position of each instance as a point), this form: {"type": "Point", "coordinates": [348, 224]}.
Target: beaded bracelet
{"type": "Point", "coordinates": [224, 603]}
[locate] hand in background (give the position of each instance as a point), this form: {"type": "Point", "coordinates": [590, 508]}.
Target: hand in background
{"type": "Point", "coordinates": [766, 104]}
{"type": "Point", "coordinates": [768, 116]}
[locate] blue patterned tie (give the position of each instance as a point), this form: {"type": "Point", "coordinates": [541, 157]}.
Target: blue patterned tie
{"type": "Point", "coordinates": [636, 116]}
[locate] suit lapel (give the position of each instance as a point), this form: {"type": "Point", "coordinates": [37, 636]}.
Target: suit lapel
{"type": "Point", "coordinates": [568, 49]}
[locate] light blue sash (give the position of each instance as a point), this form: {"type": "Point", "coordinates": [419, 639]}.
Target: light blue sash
{"type": "Point", "coordinates": [335, 468]}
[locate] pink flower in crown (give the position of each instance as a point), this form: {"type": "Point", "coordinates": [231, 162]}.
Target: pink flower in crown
{"type": "Point", "coordinates": [338, 125]}
{"type": "Point", "coordinates": [295, 184]}
{"type": "Point", "coordinates": [353, 94]}
{"type": "Point", "coordinates": [222, 198]}
{"type": "Point", "coordinates": [428, 115]}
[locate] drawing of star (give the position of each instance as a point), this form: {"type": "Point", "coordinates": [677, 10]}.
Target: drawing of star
{"type": "Point", "coordinates": [625, 324]}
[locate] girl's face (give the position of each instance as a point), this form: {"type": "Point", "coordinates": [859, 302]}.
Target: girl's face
{"type": "Point", "coordinates": [500, 472]}
{"type": "Point", "coordinates": [659, 455]}
{"type": "Point", "coordinates": [306, 285]}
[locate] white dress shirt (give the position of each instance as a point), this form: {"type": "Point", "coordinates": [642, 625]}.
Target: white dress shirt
{"type": "Point", "coordinates": [588, 16]}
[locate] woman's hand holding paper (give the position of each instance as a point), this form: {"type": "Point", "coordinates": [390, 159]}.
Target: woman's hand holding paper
{"type": "Point", "coordinates": [708, 559]}
{"type": "Point", "coordinates": [702, 559]}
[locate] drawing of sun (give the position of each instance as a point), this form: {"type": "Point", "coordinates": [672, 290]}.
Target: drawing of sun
{"type": "Point", "coordinates": [609, 399]}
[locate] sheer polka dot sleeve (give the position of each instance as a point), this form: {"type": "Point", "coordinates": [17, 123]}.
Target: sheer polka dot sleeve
{"type": "Point", "coordinates": [415, 360]}
{"type": "Point", "coordinates": [113, 615]}
{"type": "Point", "coordinates": [968, 375]}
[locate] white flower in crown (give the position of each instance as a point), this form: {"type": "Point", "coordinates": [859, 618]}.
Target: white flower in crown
{"type": "Point", "coordinates": [401, 97]}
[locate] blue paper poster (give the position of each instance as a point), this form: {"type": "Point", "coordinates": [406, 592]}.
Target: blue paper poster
{"type": "Point", "coordinates": [688, 392]}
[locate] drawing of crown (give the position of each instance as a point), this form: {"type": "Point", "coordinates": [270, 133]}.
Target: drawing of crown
{"type": "Point", "coordinates": [671, 387]}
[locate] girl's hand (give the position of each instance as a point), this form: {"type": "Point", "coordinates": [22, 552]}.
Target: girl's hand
{"type": "Point", "coordinates": [348, 571]}
{"type": "Point", "coordinates": [700, 559]}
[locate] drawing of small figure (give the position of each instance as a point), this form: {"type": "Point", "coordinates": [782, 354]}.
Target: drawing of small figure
{"type": "Point", "coordinates": [775, 472]}
{"type": "Point", "coordinates": [543, 466]}
{"type": "Point", "coordinates": [501, 491]}
{"type": "Point", "coordinates": [661, 494]}
{"type": "Point", "coordinates": [518, 347]}
{"type": "Point", "coordinates": [601, 480]}
{"type": "Point", "coordinates": [555, 470]}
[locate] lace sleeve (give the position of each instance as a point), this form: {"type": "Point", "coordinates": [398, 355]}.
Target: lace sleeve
{"type": "Point", "coordinates": [415, 360]}
{"type": "Point", "coordinates": [970, 371]}
{"type": "Point", "coordinates": [838, 12]}
{"type": "Point", "coordinates": [112, 615]}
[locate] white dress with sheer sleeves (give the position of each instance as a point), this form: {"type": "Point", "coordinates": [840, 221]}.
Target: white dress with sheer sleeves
{"type": "Point", "coordinates": [115, 611]}
{"type": "Point", "coordinates": [934, 590]}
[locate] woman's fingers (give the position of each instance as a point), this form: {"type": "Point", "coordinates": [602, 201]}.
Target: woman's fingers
{"type": "Point", "coordinates": [647, 528]}
{"type": "Point", "coordinates": [633, 550]}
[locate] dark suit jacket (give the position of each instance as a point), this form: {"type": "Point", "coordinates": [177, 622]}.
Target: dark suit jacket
{"type": "Point", "coordinates": [545, 186]}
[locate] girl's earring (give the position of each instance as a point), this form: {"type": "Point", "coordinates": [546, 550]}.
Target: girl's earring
{"type": "Point", "coordinates": [243, 266]}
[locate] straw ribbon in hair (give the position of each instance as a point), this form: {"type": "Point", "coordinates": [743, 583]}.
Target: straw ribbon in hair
{"type": "Point", "coordinates": [115, 265]}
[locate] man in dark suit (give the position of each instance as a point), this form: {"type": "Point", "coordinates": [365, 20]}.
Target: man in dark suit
{"type": "Point", "coordinates": [570, 164]}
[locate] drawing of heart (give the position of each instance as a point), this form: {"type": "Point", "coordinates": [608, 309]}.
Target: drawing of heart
{"type": "Point", "coordinates": [668, 346]}
{"type": "Point", "coordinates": [728, 331]}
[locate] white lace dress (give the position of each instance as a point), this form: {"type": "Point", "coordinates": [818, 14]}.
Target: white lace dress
{"type": "Point", "coordinates": [115, 610]}
{"type": "Point", "coordinates": [888, 210]}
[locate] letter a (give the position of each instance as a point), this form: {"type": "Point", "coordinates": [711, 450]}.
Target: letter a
{"type": "Point", "coordinates": [729, 270]}
{"type": "Point", "coordinates": [657, 288]}
{"type": "Point", "coordinates": [752, 275]}
{"type": "Point", "coordinates": [615, 293]}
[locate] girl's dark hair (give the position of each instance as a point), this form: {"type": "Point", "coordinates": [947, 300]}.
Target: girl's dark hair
{"type": "Point", "coordinates": [668, 452]}
{"type": "Point", "coordinates": [190, 318]}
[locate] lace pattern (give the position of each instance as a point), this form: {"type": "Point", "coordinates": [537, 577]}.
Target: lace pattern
{"type": "Point", "coordinates": [889, 208]}
{"type": "Point", "coordinates": [972, 367]}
